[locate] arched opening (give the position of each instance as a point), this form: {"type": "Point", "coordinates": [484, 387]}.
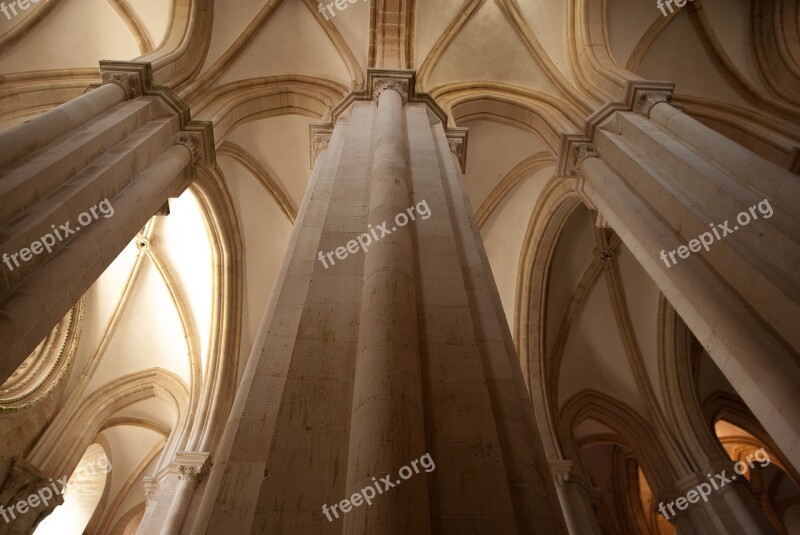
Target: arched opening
{"type": "Point", "coordinates": [82, 494]}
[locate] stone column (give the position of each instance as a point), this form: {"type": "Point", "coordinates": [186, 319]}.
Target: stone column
{"type": "Point", "coordinates": [658, 191]}
{"type": "Point", "coordinates": [133, 153]}
{"type": "Point", "coordinates": [371, 358]}
{"type": "Point", "coordinates": [191, 467]}
{"type": "Point", "coordinates": [386, 425]}
{"type": "Point", "coordinates": [38, 132]}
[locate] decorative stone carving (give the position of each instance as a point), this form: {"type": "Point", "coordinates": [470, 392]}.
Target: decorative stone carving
{"type": "Point", "coordinates": [319, 139]}
{"type": "Point", "coordinates": [321, 142]}
{"type": "Point", "coordinates": [126, 81]}
{"type": "Point", "coordinates": [645, 100]}
{"type": "Point", "coordinates": [191, 141]}
{"type": "Point", "coordinates": [190, 472]}
{"type": "Point", "coordinates": [191, 466]}
{"type": "Point", "coordinates": [46, 366]}
{"type": "Point", "coordinates": [150, 488]}
{"type": "Point", "coordinates": [605, 255]}
{"type": "Point", "coordinates": [134, 78]}
{"type": "Point", "coordinates": [580, 152]}
{"type": "Point", "coordinates": [457, 141]}
{"type": "Point", "coordinates": [379, 85]}
{"type": "Point", "coordinates": [143, 244]}
{"type": "Point", "coordinates": [198, 137]}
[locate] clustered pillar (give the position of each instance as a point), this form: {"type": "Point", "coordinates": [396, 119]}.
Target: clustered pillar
{"type": "Point", "coordinates": [368, 360]}
{"type": "Point", "coordinates": [121, 144]}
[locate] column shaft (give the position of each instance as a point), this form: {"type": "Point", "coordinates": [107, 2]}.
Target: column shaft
{"type": "Point", "coordinates": [387, 427]}
{"type": "Point", "coordinates": [25, 138]}
{"type": "Point", "coordinates": [761, 369]}
{"type": "Point", "coordinates": [46, 294]}
{"type": "Point", "coordinates": [179, 506]}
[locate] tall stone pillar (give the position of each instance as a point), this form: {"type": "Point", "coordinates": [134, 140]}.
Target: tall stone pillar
{"type": "Point", "coordinates": [387, 420]}
{"type": "Point", "coordinates": [387, 366]}
{"type": "Point", "coordinates": [126, 144]}
{"type": "Point", "coordinates": [660, 184]}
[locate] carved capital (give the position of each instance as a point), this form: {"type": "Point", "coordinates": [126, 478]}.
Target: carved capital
{"type": "Point", "coordinates": [126, 81]}
{"type": "Point", "coordinates": [379, 85]}
{"type": "Point", "coordinates": [578, 153]}
{"type": "Point", "coordinates": [133, 78]}
{"type": "Point", "coordinates": [198, 138]}
{"type": "Point", "coordinates": [191, 141]}
{"type": "Point", "coordinates": [190, 472]}
{"type": "Point", "coordinates": [320, 138]}
{"type": "Point", "coordinates": [150, 489]}
{"type": "Point", "coordinates": [380, 80]}
{"type": "Point", "coordinates": [645, 100]}
{"type": "Point", "coordinates": [456, 146]}
{"type": "Point", "coordinates": [457, 141]}
{"type": "Point", "coordinates": [191, 466]}
{"type": "Point", "coordinates": [560, 471]}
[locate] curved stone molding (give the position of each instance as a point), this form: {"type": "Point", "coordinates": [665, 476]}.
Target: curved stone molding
{"type": "Point", "coordinates": [46, 366]}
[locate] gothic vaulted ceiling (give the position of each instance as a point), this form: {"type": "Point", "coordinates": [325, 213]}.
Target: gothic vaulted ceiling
{"type": "Point", "coordinates": [517, 73]}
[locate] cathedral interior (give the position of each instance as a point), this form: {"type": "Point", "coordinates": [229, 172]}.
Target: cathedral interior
{"type": "Point", "coordinates": [400, 267]}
